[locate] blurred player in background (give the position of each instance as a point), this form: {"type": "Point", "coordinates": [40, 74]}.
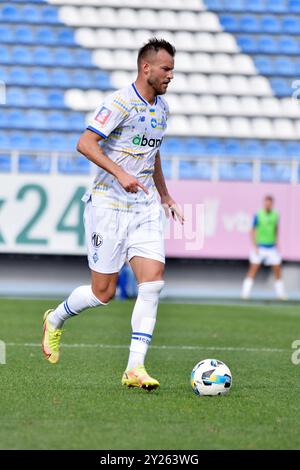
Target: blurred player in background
{"type": "Point", "coordinates": [264, 235]}
{"type": "Point", "coordinates": [123, 217]}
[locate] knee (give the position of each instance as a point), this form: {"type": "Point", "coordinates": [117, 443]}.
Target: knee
{"type": "Point", "coordinates": [104, 295]}
{"type": "Point", "coordinates": [150, 290]}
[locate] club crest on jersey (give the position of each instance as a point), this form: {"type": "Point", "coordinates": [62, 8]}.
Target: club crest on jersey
{"type": "Point", "coordinates": [97, 239]}
{"type": "Point", "coordinates": [103, 115]}
{"type": "Point", "coordinates": [142, 141]}
{"type": "Point", "coordinates": [153, 123]}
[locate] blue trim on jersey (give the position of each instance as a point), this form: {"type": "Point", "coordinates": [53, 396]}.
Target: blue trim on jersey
{"type": "Point", "coordinates": [264, 245]}
{"type": "Point", "coordinates": [143, 334]}
{"type": "Point", "coordinates": [141, 98]}
{"type": "Point", "coordinates": [90, 128]}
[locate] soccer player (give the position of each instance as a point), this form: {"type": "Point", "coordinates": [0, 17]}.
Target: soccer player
{"type": "Point", "coordinates": [123, 217]}
{"type": "Point", "coordinates": [264, 235]}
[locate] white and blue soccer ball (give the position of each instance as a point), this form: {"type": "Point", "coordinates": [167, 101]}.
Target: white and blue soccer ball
{"type": "Point", "coordinates": [211, 377]}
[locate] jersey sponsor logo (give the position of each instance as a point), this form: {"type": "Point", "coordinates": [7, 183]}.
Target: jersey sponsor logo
{"type": "Point", "coordinates": [103, 115]}
{"type": "Point", "coordinates": [97, 239]}
{"type": "Point", "coordinates": [142, 141]}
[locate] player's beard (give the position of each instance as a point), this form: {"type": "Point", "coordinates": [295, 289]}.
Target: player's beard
{"type": "Point", "coordinates": [157, 86]}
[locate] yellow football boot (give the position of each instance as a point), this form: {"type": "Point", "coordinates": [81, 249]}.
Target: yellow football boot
{"type": "Point", "coordinates": [51, 340]}
{"type": "Point", "coordinates": [138, 377]}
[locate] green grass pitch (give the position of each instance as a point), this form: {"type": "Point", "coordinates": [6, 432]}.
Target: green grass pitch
{"type": "Point", "coordinates": [80, 403]}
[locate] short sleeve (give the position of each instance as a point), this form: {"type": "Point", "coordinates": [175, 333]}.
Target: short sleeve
{"type": "Point", "coordinates": [255, 221]}
{"type": "Point", "coordinates": [107, 117]}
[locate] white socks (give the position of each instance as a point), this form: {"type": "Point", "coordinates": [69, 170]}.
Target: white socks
{"type": "Point", "coordinates": [80, 299]}
{"type": "Point", "coordinates": [280, 291]}
{"type": "Point", "coordinates": [143, 321]}
{"type": "Point", "coordinates": [247, 286]}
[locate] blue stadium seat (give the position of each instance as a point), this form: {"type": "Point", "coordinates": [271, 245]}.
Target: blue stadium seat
{"type": "Point", "coordinates": [55, 99]}
{"type": "Point", "coordinates": [293, 150]}
{"type": "Point", "coordinates": [65, 37]}
{"type": "Point", "coordinates": [274, 150]}
{"type": "Point", "coordinates": [254, 5]}
{"type": "Point", "coordinates": [61, 78]}
{"type": "Point", "coordinates": [214, 5]}
{"type": "Point", "coordinates": [173, 146]}
{"type": "Point", "coordinates": [72, 140]}
{"type": "Point", "coordinates": [82, 58]}
{"type": "Point", "coordinates": [267, 44]}
{"type": "Point", "coordinates": [24, 35]}
{"type": "Point", "coordinates": [19, 140]}
{"type": "Point", "coordinates": [297, 67]}
{"type": "Point", "coordinates": [36, 119]}
{"type": "Point", "coordinates": [49, 15]}
{"type": "Point", "coordinates": [39, 141]}
{"type": "Point", "coordinates": [280, 173]}
{"type": "Point", "coordinates": [6, 34]}
{"type": "Point", "coordinates": [19, 76]}
{"type": "Point", "coordinates": [74, 165]}
{"type": "Point", "coordinates": [57, 121]}
{"type": "Point", "coordinates": [4, 75]}
{"type": "Point", "coordinates": [15, 96]}
{"type": "Point", "coordinates": [194, 147]}
{"type": "Point", "coordinates": [21, 55]}
{"type": "Point", "coordinates": [58, 141]}
{"type": "Point", "coordinates": [31, 14]}
{"type": "Point", "coordinates": [82, 79]}
{"type": "Point", "coordinates": [5, 55]}
{"type": "Point", "coordinates": [34, 164]}
{"type": "Point", "coordinates": [294, 6]}
{"type": "Point", "coordinates": [249, 24]}
{"type": "Point", "coordinates": [101, 80]}
{"type": "Point", "coordinates": [36, 98]}
{"type": "Point", "coordinates": [264, 64]}
{"type": "Point", "coordinates": [43, 56]}
{"type": "Point", "coordinates": [233, 148]}
{"type": "Point", "coordinates": [167, 168]}
{"type": "Point", "coordinates": [291, 25]}
{"type": "Point", "coordinates": [9, 13]}
{"type": "Point", "coordinates": [195, 170]}
{"type": "Point", "coordinates": [288, 45]}
{"type": "Point", "coordinates": [4, 141]}
{"type": "Point", "coordinates": [45, 36]}
{"type": "Point", "coordinates": [214, 147]}
{"type": "Point", "coordinates": [276, 6]}
{"type": "Point", "coordinates": [247, 43]}
{"type": "Point", "coordinates": [284, 66]}
{"type": "Point", "coordinates": [235, 171]}
{"type": "Point", "coordinates": [76, 121]}
{"type": "Point", "coordinates": [40, 77]}
{"type": "Point", "coordinates": [270, 24]}
{"type": "Point", "coordinates": [16, 118]}
{"type": "Point", "coordinates": [64, 57]}
{"type": "Point", "coordinates": [253, 148]}
{"type": "Point", "coordinates": [280, 86]}
{"type": "Point", "coordinates": [233, 5]}
{"type": "Point", "coordinates": [5, 163]}
{"type": "Point", "coordinates": [229, 23]}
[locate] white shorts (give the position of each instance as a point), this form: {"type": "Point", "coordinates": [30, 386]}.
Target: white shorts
{"type": "Point", "coordinates": [114, 235]}
{"type": "Point", "coordinates": [266, 256]}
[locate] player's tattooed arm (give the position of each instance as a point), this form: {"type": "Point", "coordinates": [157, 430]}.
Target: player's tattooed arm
{"type": "Point", "coordinates": [88, 145]}
{"type": "Point", "coordinates": [167, 201]}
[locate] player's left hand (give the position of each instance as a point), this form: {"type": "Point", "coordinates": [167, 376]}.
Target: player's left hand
{"type": "Point", "coordinates": [170, 205]}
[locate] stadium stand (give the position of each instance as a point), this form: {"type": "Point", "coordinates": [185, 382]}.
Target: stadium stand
{"type": "Point", "coordinates": [230, 101]}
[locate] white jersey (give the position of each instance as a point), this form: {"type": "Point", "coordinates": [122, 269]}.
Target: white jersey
{"type": "Point", "coordinates": [132, 130]}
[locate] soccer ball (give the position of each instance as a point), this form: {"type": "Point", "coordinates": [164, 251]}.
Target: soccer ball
{"type": "Point", "coordinates": [211, 377]}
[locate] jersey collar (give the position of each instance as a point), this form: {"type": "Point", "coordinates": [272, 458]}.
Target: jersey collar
{"type": "Point", "coordinates": [143, 99]}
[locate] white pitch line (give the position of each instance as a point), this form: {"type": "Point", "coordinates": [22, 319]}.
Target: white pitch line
{"type": "Point", "coordinates": [123, 346]}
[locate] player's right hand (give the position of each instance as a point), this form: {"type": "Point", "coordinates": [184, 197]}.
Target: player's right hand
{"type": "Point", "coordinates": [131, 184]}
